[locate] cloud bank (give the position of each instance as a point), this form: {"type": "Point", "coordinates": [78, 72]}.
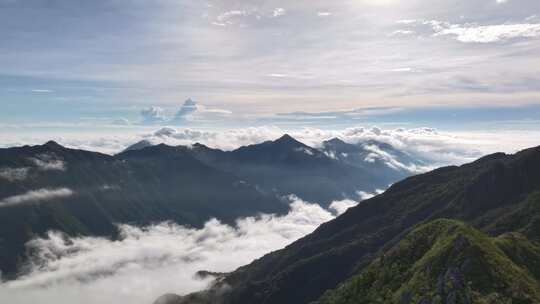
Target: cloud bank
{"type": "Point", "coordinates": [148, 262]}
{"type": "Point", "coordinates": [434, 146]}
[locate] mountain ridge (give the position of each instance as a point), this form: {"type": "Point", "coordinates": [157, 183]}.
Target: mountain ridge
{"type": "Point", "coordinates": [150, 183]}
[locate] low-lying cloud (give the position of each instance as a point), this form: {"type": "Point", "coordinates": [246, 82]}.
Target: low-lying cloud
{"type": "Point", "coordinates": [14, 174]}
{"type": "Point", "coordinates": [48, 162]}
{"type": "Point", "coordinates": [148, 262]}
{"type": "Point", "coordinates": [36, 196]}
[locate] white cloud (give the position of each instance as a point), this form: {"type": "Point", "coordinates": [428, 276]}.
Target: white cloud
{"type": "Point", "coordinates": [152, 115]}
{"type": "Point", "coordinates": [402, 33]}
{"type": "Point", "coordinates": [475, 33]}
{"type": "Point", "coordinates": [324, 14]}
{"type": "Point", "coordinates": [148, 262]}
{"type": "Point", "coordinates": [403, 70]}
{"type": "Point", "coordinates": [34, 196]}
{"type": "Point", "coordinates": [279, 11]}
{"type": "Point", "coordinates": [190, 111]}
{"type": "Point", "coordinates": [14, 174]}
{"type": "Point", "coordinates": [278, 75]}
{"type": "Point", "coordinates": [230, 17]}
{"type": "Point", "coordinates": [48, 162]}
{"type": "Point", "coordinates": [42, 91]}
{"type": "Point", "coordinates": [339, 207]}
{"type": "Point", "coordinates": [230, 14]}
{"type": "Point", "coordinates": [491, 33]}
{"type": "Point", "coordinates": [362, 195]}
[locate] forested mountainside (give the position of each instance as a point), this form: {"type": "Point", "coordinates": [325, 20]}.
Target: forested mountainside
{"type": "Point", "coordinates": [356, 258]}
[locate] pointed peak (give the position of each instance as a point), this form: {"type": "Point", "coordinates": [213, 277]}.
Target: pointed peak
{"type": "Point", "coordinates": [53, 144]}
{"type": "Point", "coordinates": [198, 145]}
{"type": "Point", "coordinates": [286, 138]}
{"type": "Point", "coordinates": [139, 145]}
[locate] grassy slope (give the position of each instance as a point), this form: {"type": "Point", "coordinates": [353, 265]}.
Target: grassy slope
{"type": "Point", "coordinates": [446, 261]}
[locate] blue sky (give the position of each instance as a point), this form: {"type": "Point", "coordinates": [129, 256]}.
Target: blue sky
{"type": "Point", "coordinates": [447, 64]}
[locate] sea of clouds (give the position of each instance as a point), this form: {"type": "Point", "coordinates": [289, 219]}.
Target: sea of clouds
{"type": "Point", "coordinates": [434, 146]}
{"type": "Point", "coordinates": [150, 261]}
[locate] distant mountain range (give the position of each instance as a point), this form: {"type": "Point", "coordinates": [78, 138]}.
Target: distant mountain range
{"type": "Point", "coordinates": [456, 235]}
{"type": "Point", "coordinates": [50, 187]}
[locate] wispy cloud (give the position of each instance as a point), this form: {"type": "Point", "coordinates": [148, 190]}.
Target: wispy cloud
{"type": "Point", "coordinates": [279, 12]}
{"type": "Point", "coordinates": [36, 196]}
{"type": "Point", "coordinates": [491, 33]}
{"type": "Point", "coordinates": [473, 32]}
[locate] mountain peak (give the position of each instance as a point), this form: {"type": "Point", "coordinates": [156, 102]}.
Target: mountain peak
{"type": "Point", "coordinates": [287, 139]}
{"type": "Point", "coordinates": [139, 145]}
{"type": "Point", "coordinates": [53, 144]}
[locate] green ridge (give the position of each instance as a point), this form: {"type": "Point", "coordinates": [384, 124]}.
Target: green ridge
{"type": "Point", "coordinates": [446, 261]}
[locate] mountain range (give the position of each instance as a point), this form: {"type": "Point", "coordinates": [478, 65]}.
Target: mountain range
{"type": "Point", "coordinates": [51, 187]}
{"type": "Point", "coordinates": [458, 234]}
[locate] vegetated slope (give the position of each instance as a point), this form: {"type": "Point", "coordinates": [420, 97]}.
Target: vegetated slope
{"type": "Point", "coordinates": [139, 187]}
{"type": "Point", "coordinates": [446, 261]}
{"type": "Point", "coordinates": [495, 194]}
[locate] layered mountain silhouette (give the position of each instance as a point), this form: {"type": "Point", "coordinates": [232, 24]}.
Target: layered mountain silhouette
{"type": "Point", "coordinates": [287, 166]}
{"type": "Point", "coordinates": [50, 187]}
{"type": "Point", "coordinates": [465, 234]}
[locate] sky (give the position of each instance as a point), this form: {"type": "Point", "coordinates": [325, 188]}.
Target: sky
{"type": "Point", "coordinates": [465, 64]}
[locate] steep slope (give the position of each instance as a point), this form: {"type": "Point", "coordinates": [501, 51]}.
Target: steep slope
{"type": "Point", "coordinates": [287, 166]}
{"type": "Point", "coordinates": [490, 194]}
{"type": "Point", "coordinates": [446, 261]}
{"type": "Point", "coordinates": [50, 187]}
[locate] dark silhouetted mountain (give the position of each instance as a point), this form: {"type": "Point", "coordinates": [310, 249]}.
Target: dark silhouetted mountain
{"type": "Point", "coordinates": [139, 145]}
{"type": "Point", "coordinates": [287, 166]}
{"type": "Point", "coordinates": [50, 187]}
{"type": "Point", "coordinates": [498, 195]}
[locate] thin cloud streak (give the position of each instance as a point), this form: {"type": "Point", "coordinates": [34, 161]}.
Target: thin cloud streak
{"type": "Point", "coordinates": [36, 196]}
